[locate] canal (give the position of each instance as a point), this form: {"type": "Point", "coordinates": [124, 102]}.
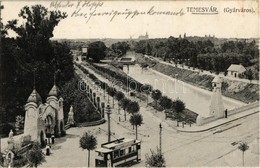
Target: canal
{"type": "Point", "coordinates": [196, 99]}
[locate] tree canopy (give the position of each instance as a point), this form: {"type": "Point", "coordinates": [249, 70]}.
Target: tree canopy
{"type": "Point", "coordinates": [136, 120]}
{"type": "Point", "coordinates": [89, 142]}
{"type": "Point", "coordinates": [33, 55]}
{"type": "Point", "coordinates": [97, 51]}
{"type": "Point", "coordinates": [133, 107]}
{"type": "Point", "coordinates": [165, 102]}
{"type": "Point", "coordinates": [206, 53]}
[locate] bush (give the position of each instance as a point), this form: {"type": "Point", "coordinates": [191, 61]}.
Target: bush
{"type": "Point", "coordinates": [153, 104]}
{"type": "Point", "coordinates": [1, 160]}
{"type": "Point", "coordinates": [20, 161]}
{"type": "Point", "coordinates": [155, 160]}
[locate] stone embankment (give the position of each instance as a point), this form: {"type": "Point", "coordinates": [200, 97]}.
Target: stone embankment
{"type": "Point", "coordinates": [239, 90]}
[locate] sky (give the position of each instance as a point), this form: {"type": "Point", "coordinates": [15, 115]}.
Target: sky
{"type": "Point", "coordinates": [235, 25]}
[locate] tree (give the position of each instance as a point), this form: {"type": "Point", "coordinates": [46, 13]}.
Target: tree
{"type": "Point", "coordinates": [165, 102]}
{"type": "Point", "coordinates": [133, 107]}
{"type": "Point", "coordinates": [34, 34]}
{"type": "Point", "coordinates": [155, 160]}
{"type": "Point", "coordinates": [136, 120]}
{"type": "Point", "coordinates": [2, 27]}
{"type": "Point", "coordinates": [97, 51]}
{"type": "Point", "coordinates": [119, 96]}
{"type": "Point", "coordinates": [156, 95]}
{"type": "Point", "coordinates": [19, 123]}
{"type": "Point", "coordinates": [179, 106]}
{"type": "Point", "coordinates": [249, 74]}
{"type": "Point", "coordinates": [35, 155]}
{"type": "Point", "coordinates": [124, 103]}
{"type": "Point", "coordinates": [32, 52]}
{"type": "Point", "coordinates": [146, 88]}
{"type": "Point", "coordinates": [148, 50]}
{"type": "Point", "coordinates": [89, 142]}
{"type": "Point", "coordinates": [243, 147]}
{"type": "Point", "coordinates": [120, 48]}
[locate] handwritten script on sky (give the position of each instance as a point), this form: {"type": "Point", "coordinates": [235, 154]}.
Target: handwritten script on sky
{"type": "Point", "coordinates": [93, 9]}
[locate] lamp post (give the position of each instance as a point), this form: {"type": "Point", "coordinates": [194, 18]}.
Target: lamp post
{"type": "Point", "coordinates": [108, 110]}
{"type": "Point", "coordinates": [160, 138]}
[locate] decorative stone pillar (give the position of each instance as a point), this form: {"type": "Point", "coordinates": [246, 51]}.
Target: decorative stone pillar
{"type": "Point", "coordinates": [71, 120]}
{"type": "Point", "coordinates": [216, 107]}
{"type": "Point", "coordinates": [10, 140]}
{"type": "Point", "coordinates": [9, 159]}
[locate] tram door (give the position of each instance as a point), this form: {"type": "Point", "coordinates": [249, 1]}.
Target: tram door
{"type": "Point", "coordinates": [109, 163]}
{"type": "Point", "coordinates": [138, 146]}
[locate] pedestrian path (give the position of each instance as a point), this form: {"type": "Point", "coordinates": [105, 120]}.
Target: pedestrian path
{"type": "Point", "coordinates": [214, 124]}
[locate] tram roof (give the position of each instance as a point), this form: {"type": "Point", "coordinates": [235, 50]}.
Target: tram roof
{"type": "Point", "coordinates": [120, 143]}
{"type": "Point", "coordinates": [103, 150]}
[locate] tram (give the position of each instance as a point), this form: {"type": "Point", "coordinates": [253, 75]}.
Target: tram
{"type": "Point", "coordinates": [119, 152]}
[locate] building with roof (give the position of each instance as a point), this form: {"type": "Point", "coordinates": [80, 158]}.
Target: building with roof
{"type": "Point", "coordinates": [84, 52]}
{"type": "Point", "coordinates": [146, 36]}
{"type": "Point", "coordinates": [127, 60]}
{"type": "Point", "coordinates": [43, 121]}
{"type": "Point", "coordinates": [235, 70]}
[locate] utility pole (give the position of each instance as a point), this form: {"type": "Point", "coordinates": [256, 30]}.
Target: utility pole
{"type": "Point", "coordinates": [127, 89]}
{"type": "Point", "coordinates": [104, 92]}
{"type": "Point", "coordinates": [1, 77]}
{"type": "Point", "coordinates": [108, 93]}
{"type": "Point", "coordinates": [108, 110]}
{"type": "Point", "coordinates": [160, 138]}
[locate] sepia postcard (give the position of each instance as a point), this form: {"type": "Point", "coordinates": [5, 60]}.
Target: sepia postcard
{"type": "Point", "coordinates": [113, 83]}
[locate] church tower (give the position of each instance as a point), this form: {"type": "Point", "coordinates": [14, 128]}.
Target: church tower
{"type": "Point", "coordinates": [216, 107]}
{"type": "Point", "coordinates": [32, 115]}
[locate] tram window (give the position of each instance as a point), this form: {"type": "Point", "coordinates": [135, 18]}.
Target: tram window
{"type": "Point", "coordinates": [134, 148]}
{"type": "Point", "coordinates": [129, 149]}
{"type": "Point", "coordinates": [100, 154]}
{"type": "Point", "coordinates": [116, 154]}
{"type": "Point", "coordinates": [122, 152]}
{"type": "Point", "coordinates": [138, 146]}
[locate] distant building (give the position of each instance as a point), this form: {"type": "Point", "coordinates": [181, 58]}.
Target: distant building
{"type": "Point", "coordinates": [84, 51]}
{"type": "Point", "coordinates": [234, 70]}
{"type": "Point", "coordinates": [128, 60]}
{"type": "Point", "coordinates": [146, 36]}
